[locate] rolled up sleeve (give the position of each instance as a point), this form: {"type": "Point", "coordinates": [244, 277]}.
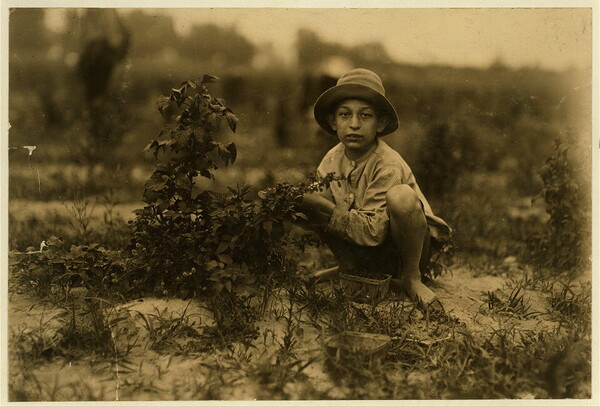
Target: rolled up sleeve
{"type": "Point", "coordinates": [368, 225]}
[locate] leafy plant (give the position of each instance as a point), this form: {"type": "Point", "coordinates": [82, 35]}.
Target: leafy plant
{"type": "Point", "coordinates": [96, 324]}
{"type": "Point", "coordinates": [515, 304]}
{"type": "Point", "coordinates": [81, 215]}
{"type": "Point", "coordinates": [564, 245]}
{"type": "Point", "coordinates": [188, 242]}
{"type": "Point", "coordinates": [117, 233]}
{"type": "Point", "coordinates": [569, 302]}
{"type": "Point", "coordinates": [164, 329]}
{"type": "Point", "coordinates": [55, 270]}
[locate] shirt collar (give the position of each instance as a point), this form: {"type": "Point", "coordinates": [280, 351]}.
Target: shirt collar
{"type": "Point", "coordinates": [349, 165]}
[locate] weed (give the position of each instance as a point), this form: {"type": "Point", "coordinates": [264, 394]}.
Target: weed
{"type": "Point", "coordinates": [235, 320]}
{"type": "Point", "coordinates": [311, 297]}
{"type": "Point", "coordinates": [514, 304]}
{"type": "Point", "coordinates": [29, 345]}
{"type": "Point", "coordinates": [96, 324]}
{"type": "Point", "coordinates": [81, 214]}
{"type": "Point", "coordinates": [568, 303]}
{"type": "Point", "coordinates": [91, 326]}
{"type": "Point", "coordinates": [525, 282]}
{"type": "Point", "coordinates": [273, 371]}
{"type": "Point", "coordinates": [288, 342]}
{"type": "Point", "coordinates": [54, 270]}
{"type": "Point", "coordinates": [164, 329]}
{"type": "Point", "coordinates": [118, 234]}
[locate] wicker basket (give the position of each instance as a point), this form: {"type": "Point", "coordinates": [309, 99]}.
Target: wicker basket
{"type": "Point", "coordinates": [358, 347]}
{"type": "Point", "coordinates": [366, 289]}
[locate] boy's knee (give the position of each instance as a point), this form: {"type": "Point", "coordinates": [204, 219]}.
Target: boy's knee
{"type": "Point", "coordinates": [402, 200]}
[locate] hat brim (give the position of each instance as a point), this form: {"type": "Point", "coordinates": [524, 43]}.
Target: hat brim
{"type": "Point", "coordinates": [331, 97]}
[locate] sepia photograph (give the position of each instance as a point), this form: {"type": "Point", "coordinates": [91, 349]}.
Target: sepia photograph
{"type": "Point", "coordinates": [334, 203]}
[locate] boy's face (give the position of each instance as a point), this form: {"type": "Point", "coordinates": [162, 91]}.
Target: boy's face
{"type": "Point", "coordinates": [356, 123]}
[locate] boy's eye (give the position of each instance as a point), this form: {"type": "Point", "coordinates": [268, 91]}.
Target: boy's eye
{"type": "Point", "coordinates": [366, 115]}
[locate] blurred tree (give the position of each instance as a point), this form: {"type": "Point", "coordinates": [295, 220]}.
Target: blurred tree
{"type": "Point", "coordinates": [438, 168]}
{"type": "Point", "coordinates": [235, 88]}
{"type": "Point", "coordinates": [152, 33]}
{"type": "Point", "coordinates": [220, 47]}
{"type": "Point", "coordinates": [28, 33]}
{"type": "Point", "coordinates": [313, 52]}
{"type": "Point", "coordinates": [368, 54]}
{"type": "Point", "coordinates": [283, 123]}
{"type": "Point", "coordinates": [30, 76]}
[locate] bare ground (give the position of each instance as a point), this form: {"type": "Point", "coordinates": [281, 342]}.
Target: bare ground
{"type": "Point", "coordinates": [175, 370]}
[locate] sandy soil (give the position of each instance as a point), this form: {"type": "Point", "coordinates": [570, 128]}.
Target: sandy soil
{"type": "Point", "coordinates": [155, 374]}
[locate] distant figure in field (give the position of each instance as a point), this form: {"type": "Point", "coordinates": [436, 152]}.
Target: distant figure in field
{"type": "Point", "coordinates": [105, 44]}
{"type": "Point", "coordinates": [377, 219]}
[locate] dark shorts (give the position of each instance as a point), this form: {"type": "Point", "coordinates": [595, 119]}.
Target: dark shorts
{"type": "Point", "coordinates": [377, 259]}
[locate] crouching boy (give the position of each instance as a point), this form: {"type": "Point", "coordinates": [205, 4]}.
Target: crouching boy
{"type": "Point", "coordinates": [377, 218]}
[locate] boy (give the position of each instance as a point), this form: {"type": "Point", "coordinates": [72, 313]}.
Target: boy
{"type": "Point", "coordinates": [378, 218]}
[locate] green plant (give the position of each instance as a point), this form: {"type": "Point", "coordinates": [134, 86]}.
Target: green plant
{"type": "Point", "coordinates": [234, 317]}
{"type": "Point", "coordinates": [188, 242]}
{"type": "Point", "coordinates": [97, 325]}
{"type": "Point", "coordinates": [117, 233]}
{"type": "Point", "coordinates": [440, 260]}
{"type": "Point", "coordinates": [164, 329]}
{"type": "Point", "coordinates": [55, 270]}
{"type": "Point", "coordinates": [564, 245]}
{"type": "Point", "coordinates": [438, 166]}
{"type": "Point", "coordinates": [569, 302]}
{"type": "Point", "coordinates": [514, 304]}
{"type": "Point", "coordinates": [81, 214]}
{"type": "Point", "coordinates": [273, 370]}
{"type": "Point", "coordinates": [25, 232]}
{"type": "Point", "coordinates": [29, 345]}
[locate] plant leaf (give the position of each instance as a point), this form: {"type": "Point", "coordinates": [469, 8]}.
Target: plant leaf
{"type": "Point", "coordinates": [209, 79]}
{"type": "Point", "coordinates": [155, 183]}
{"type": "Point", "coordinates": [162, 103]}
{"type": "Point", "coordinates": [233, 152]}
{"type": "Point", "coordinates": [232, 120]}
{"type": "Point", "coordinates": [182, 181]}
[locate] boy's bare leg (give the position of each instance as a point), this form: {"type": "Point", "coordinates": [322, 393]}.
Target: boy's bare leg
{"type": "Point", "coordinates": [408, 227]}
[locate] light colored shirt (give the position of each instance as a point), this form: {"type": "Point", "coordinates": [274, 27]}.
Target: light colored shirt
{"type": "Point", "coordinates": [360, 214]}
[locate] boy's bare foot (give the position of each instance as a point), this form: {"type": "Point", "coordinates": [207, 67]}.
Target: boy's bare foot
{"type": "Point", "coordinates": [416, 291]}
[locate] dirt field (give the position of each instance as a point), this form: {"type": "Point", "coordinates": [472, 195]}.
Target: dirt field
{"type": "Point", "coordinates": [160, 350]}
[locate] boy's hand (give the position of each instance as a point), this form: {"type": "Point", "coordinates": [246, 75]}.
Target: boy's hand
{"type": "Point", "coordinates": [317, 207]}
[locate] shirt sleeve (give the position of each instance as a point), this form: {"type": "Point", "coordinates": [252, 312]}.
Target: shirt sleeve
{"type": "Point", "coordinates": [368, 225]}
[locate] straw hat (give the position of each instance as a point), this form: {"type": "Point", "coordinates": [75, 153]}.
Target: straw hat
{"type": "Point", "coordinates": [356, 84]}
